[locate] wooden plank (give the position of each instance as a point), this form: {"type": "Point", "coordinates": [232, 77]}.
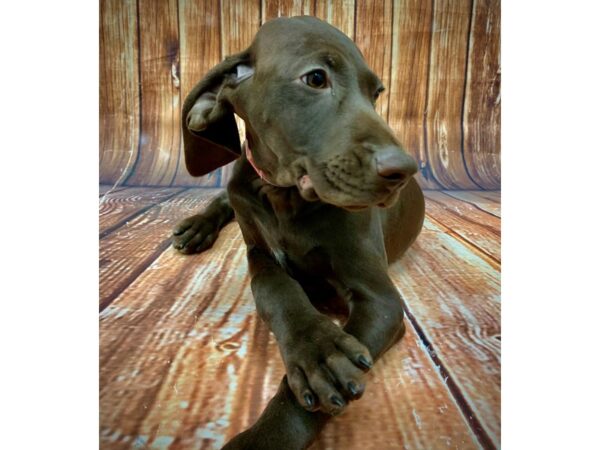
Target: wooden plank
{"type": "Point", "coordinates": [200, 50]}
{"type": "Point", "coordinates": [481, 117]}
{"type": "Point", "coordinates": [126, 252]}
{"type": "Point", "coordinates": [116, 207]}
{"type": "Point", "coordinates": [185, 363]}
{"type": "Point", "coordinates": [119, 103]}
{"type": "Point", "coordinates": [239, 23]}
{"type": "Point", "coordinates": [450, 36]}
{"type": "Point", "coordinates": [146, 327]}
{"type": "Point", "coordinates": [453, 293]}
{"type": "Point", "coordinates": [374, 38]}
{"type": "Point", "coordinates": [159, 69]}
{"type": "Point", "coordinates": [271, 9]}
{"type": "Point", "coordinates": [339, 13]}
{"type": "Point", "coordinates": [408, 84]}
{"type": "Point", "coordinates": [490, 206]}
{"type": "Point", "coordinates": [466, 221]}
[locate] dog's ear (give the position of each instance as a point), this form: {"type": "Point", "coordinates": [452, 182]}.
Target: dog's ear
{"type": "Point", "coordinates": [210, 134]}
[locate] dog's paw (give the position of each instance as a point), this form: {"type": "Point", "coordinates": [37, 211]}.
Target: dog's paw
{"type": "Point", "coordinates": [325, 366]}
{"type": "Point", "coordinates": [195, 234]}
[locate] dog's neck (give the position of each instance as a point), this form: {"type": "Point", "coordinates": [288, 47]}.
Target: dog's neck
{"type": "Point", "coordinates": [285, 201]}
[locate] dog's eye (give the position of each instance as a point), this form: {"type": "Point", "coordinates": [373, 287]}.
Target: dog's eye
{"type": "Point", "coordinates": [377, 92]}
{"type": "Point", "coordinates": [316, 79]}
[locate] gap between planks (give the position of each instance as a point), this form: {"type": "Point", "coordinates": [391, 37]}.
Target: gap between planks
{"type": "Point", "coordinates": [490, 259]}
{"type": "Point", "coordinates": [161, 248]}
{"type": "Point", "coordinates": [468, 413]}
{"type": "Point", "coordinates": [466, 196]}
{"type": "Point", "coordinates": [165, 209]}
{"type": "Point", "coordinates": [109, 230]}
{"type": "Point", "coordinates": [449, 361]}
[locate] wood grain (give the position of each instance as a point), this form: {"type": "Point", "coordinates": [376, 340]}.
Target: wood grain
{"type": "Point", "coordinates": [481, 119]}
{"type": "Point", "coordinates": [475, 226]}
{"type": "Point", "coordinates": [271, 9]}
{"type": "Point", "coordinates": [473, 197]}
{"type": "Point", "coordinates": [449, 41]}
{"type": "Point", "coordinates": [200, 50]}
{"type": "Point", "coordinates": [374, 38]}
{"type": "Point", "coordinates": [160, 97]}
{"type": "Point", "coordinates": [453, 294]}
{"type": "Point", "coordinates": [119, 103]}
{"type": "Point", "coordinates": [408, 83]}
{"type": "Point", "coordinates": [117, 206]}
{"type": "Point", "coordinates": [130, 249]}
{"type": "Point", "coordinates": [339, 13]}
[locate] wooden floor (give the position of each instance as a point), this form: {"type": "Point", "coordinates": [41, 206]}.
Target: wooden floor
{"type": "Point", "coordinates": [186, 364]}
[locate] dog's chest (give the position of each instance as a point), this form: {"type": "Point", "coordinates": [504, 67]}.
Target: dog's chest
{"type": "Point", "coordinates": [293, 247]}
{"type": "Point", "coordinates": [293, 240]}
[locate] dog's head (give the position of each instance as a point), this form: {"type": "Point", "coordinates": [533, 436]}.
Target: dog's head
{"type": "Point", "coordinates": [308, 100]}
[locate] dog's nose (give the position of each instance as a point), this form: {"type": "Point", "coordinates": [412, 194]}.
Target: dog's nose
{"type": "Point", "coordinates": [395, 165]}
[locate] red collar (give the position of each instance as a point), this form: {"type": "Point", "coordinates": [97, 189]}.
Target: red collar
{"type": "Point", "coordinates": [259, 172]}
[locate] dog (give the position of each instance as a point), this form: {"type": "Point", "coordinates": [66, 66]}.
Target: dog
{"type": "Point", "coordinates": [325, 198]}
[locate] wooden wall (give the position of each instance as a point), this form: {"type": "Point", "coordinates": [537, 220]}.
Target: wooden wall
{"type": "Point", "coordinates": [439, 60]}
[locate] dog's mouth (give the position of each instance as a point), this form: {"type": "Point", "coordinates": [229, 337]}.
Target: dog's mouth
{"type": "Point", "coordinates": [330, 194]}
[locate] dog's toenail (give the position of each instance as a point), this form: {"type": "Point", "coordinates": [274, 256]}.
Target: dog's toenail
{"type": "Point", "coordinates": [337, 401]}
{"type": "Point", "coordinates": [352, 388]}
{"type": "Point", "coordinates": [309, 400]}
{"type": "Point", "coordinates": [364, 362]}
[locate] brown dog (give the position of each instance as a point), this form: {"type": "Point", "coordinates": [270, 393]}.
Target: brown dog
{"type": "Point", "coordinates": [325, 199]}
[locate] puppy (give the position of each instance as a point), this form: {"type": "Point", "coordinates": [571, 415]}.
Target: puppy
{"type": "Point", "coordinates": [325, 198]}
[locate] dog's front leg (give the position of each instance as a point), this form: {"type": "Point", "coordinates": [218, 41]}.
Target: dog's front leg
{"type": "Point", "coordinates": [377, 317]}
{"type": "Point", "coordinates": [322, 361]}
{"type": "Point", "coordinates": [324, 364]}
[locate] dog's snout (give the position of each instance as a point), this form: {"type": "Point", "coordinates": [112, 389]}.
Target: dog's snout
{"type": "Point", "coordinates": [394, 165]}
